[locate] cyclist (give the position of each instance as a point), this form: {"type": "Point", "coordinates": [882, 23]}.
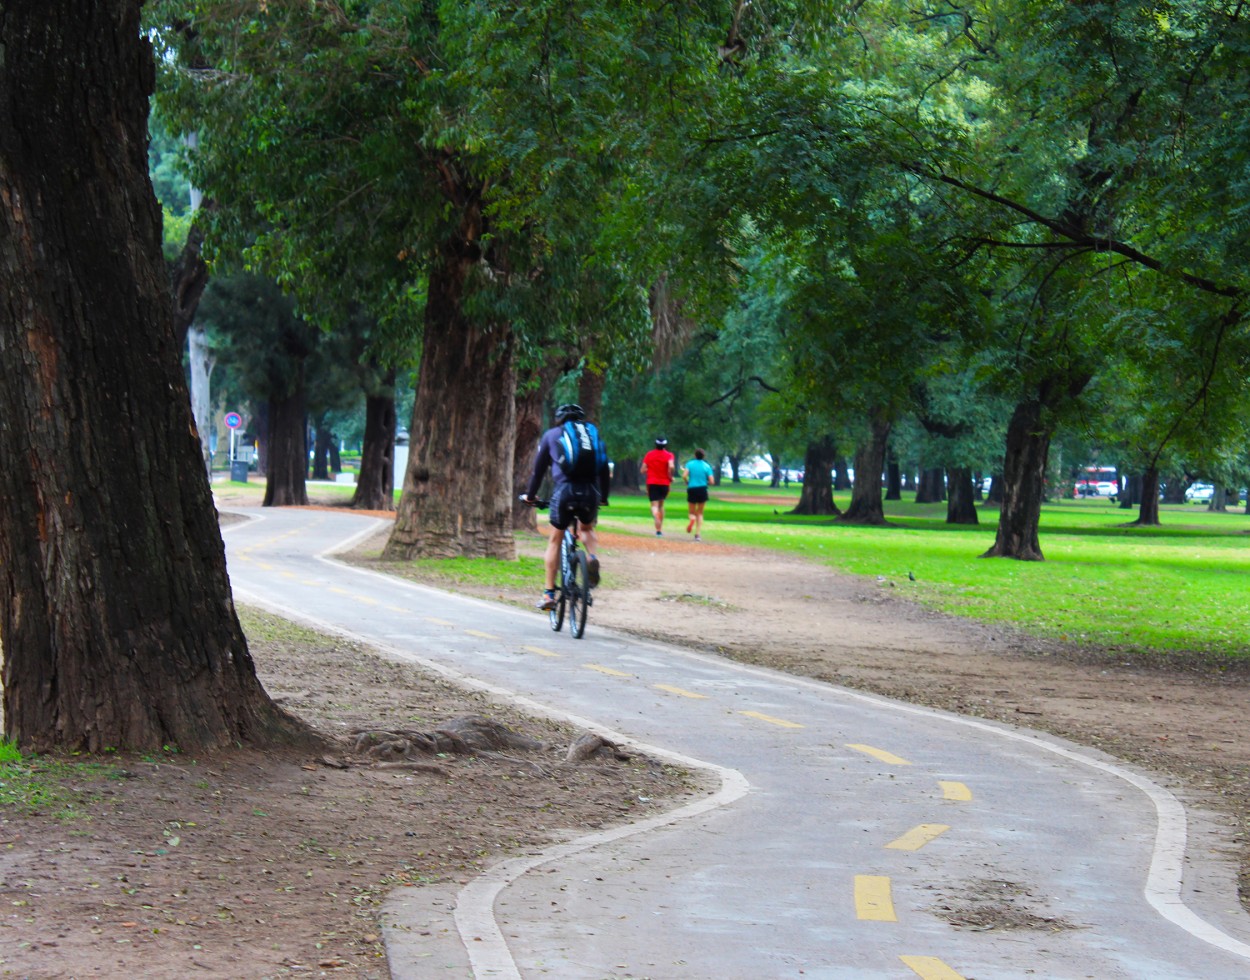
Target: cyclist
{"type": "Point", "coordinates": [570, 500]}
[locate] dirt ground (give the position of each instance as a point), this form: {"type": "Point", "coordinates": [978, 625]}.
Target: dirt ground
{"type": "Point", "coordinates": [250, 865]}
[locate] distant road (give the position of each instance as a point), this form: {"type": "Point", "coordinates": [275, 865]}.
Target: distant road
{"type": "Point", "coordinates": [853, 837]}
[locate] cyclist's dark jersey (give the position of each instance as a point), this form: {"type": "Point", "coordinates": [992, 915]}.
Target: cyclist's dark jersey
{"type": "Point", "coordinates": [548, 454]}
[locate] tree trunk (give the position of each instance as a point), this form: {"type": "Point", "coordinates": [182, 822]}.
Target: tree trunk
{"type": "Point", "coordinates": [590, 393]}
{"type": "Point", "coordinates": [841, 476]}
{"type": "Point", "coordinates": [375, 485]}
{"type": "Point", "coordinates": [1130, 491]}
{"type": "Point", "coordinates": [1024, 478]}
{"type": "Point", "coordinates": [286, 470]}
{"type": "Point", "coordinates": [457, 497]}
{"type": "Point", "coordinates": [866, 505]}
{"type": "Point", "coordinates": [116, 617]}
{"type": "Point", "coordinates": [201, 361]}
{"type": "Point", "coordinates": [931, 488]}
{"type": "Point", "coordinates": [995, 495]}
{"type": "Point", "coordinates": [1219, 500]}
{"type": "Point", "coordinates": [817, 494]}
{"type": "Point", "coordinates": [1148, 512]}
{"type": "Point", "coordinates": [961, 504]}
{"type": "Point", "coordinates": [734, 462]}
{"type": "Point", "coordinates": [188, 276]}
{"type": "Point", "coordinates": [322, 440]}
{"type": "Point", "coordinates": [530, 426]}
{"type": "Point", "coordinates": [893, 479]}
{"type": "Point", "coordinates": [1174, 489]}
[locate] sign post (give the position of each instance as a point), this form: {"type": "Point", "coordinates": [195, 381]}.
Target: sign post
{"type": "Point", "coordinates": [233, 421]}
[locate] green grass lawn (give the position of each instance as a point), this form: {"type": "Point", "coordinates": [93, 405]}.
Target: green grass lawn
{"type": "Point", "coordinates": [1179, 587]}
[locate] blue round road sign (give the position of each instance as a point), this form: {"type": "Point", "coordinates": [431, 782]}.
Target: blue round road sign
{"type": "Point", "coordinates": [233, 420]}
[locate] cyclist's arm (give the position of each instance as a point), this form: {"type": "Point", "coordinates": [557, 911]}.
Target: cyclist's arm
{"type": "Point", "coordinates": [542, 460]}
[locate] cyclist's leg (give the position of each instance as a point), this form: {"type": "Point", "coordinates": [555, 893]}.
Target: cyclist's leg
{"type": "Point", "coordinates": [559, 520]}
{"type": "Point", "coordinates": [587, 516]}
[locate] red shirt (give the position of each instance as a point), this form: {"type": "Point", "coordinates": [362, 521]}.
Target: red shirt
{"type": "Point", "coordinates": [657, 463]}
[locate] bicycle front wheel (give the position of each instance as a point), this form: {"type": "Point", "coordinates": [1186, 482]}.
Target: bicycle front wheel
{"type": "Point", "coordinates": [555, 615]}
{"type": "Point", "coordinates": [578, 590]}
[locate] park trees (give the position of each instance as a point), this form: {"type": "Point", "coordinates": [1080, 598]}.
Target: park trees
{"type": "Point", "coordinates": [447, 147]}
{"type": "Point", "coordinates": [116, 616]}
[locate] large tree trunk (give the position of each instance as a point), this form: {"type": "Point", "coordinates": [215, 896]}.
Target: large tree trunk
{"type": "Point", "coordinates": [457, 498]}
{"type": "Point", "coordinates": [1148, 513]}
{"type": "Point", "coordinates": [530, 425]}
{"type": "Point", "coordinates": [1024, 478]}
{"type": "Point", "coordinates": [116, 618]}
{"type": "Point", "coordinates": [375, 486]}
{"type": "Point", "coordinates": [961, 498]}
{"type": "Point", "coordinates": [286, 472]}
{"type": "Point", "coordinates": [817, 494]}
{"type": "Point", "coordinates": [866, 507]}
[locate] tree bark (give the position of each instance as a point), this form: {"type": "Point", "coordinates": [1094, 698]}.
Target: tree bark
{"type": "Point", "coordinates": [116, 617]}
{"type": "Point", "coordinates": [931, 488]}
{"type": "Point", "coordinates": [961, 505]}
{"type": "Point", "coordinates": [375, 486]}
{"type": "Point", "coordinates": [841, 476]}
{"type": "Point", "coordinates": [286, 472]}
{"type": "Point", "coordinates": [322, 440]}
{"type": "Point", "coordinates": [530, 426]}
{"type": "Point", "coordinates": [893, 478]}
{"type": "Point", "coordinates": [200, 360]}
{"type": "Point", "coordinates": [1148, 511]}
{"type": "Point", "coordinates": [816, 496]}
{"type": "Point", "coordinates": [457, 497]}
{"type": "Point", "coordinates": [866, 506]}
{"type": "Point", "coordinates": [1024, 477]}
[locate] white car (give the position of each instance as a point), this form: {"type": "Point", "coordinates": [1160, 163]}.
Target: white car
{"type": "Point", "coordinates": [1200, 493]}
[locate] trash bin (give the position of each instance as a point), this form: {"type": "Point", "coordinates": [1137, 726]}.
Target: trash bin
{"type": "Point", "coordinates": [238, 470]}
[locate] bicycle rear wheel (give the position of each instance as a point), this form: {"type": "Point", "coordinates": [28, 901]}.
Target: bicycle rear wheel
{"type": "Point", "coordinates": [579, 594]}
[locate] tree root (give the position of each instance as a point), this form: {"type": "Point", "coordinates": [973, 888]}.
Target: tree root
{"type": "Point", "coordinates": [469, 735]}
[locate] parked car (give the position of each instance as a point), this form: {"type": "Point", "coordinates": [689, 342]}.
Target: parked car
{"type": "Point", "coordinates": [1200, 493]}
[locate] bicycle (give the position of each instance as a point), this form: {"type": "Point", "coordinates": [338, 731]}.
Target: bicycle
{"type": "Point", "coordinates": [573, 588]}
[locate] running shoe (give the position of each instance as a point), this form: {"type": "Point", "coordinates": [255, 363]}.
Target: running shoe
{"type": "Point", "coordinates": [592, 570]}
{"type": "Point", "coordinates": [548, 601]}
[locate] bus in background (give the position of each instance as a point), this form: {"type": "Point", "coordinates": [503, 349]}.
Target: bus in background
{"type": "Point", "coordinates": [1096, 481]}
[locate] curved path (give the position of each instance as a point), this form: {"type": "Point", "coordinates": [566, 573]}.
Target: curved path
{"type": "Point", "coordinates": [848, 829]}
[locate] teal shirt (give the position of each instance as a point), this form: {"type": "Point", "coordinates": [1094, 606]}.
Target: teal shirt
{"type": "Point", "coordinates": [698, 473]}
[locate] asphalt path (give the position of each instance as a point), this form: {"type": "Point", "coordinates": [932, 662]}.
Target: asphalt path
{"type": "Point", "coordinates": [846, 831]}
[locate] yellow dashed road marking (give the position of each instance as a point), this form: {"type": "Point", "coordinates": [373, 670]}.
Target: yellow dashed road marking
{"type": "Point", "coordinates": [541, 652]}
{"type": "Point", "coordinates": [955, 791]}
{"type": "Point", "coordinates": [872, 899]}
{"type": "Point", "coordinates": [398, 609]}
{"type": "Point", "coordinates": [771, 720]}
{"type": "Point", "coordinates": [366, 600]}
{"type": "Point", "coordinates": [337, 591]}
{"type": "Point", "coordinates": [930, 968]}
{"type": "Point", "coordinates": [881, 754]}
{"type": "Point", "coordinates": [439, 622]}
{"type": "Point", "coordinates": [484, 636]}
{"type": "Point", "coordinates": [919, 836]}
{"type": "Point", "coordinates": [678, 690]}
{"type": "Point", "coordinates": [607, 670]}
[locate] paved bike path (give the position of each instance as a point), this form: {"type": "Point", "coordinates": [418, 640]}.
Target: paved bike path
{"type": "Point", "coordinates": [847, 829]}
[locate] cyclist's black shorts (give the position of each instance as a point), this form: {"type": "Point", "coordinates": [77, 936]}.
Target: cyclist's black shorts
{"type": "Point", "coordinates": [569, 500]}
